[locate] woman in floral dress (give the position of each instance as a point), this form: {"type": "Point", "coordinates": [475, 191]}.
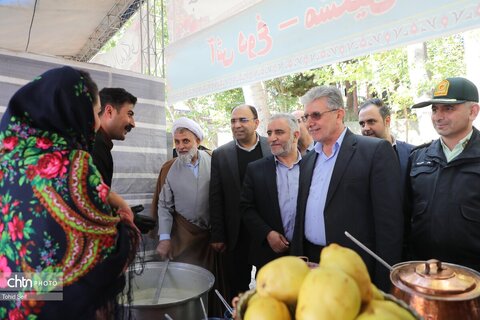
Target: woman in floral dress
{"type": "Point", "coordinates": [55, 219]}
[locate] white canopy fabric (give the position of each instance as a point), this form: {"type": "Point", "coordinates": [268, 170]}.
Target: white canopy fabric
{"type": "Point", "coordinates": [55, 27]}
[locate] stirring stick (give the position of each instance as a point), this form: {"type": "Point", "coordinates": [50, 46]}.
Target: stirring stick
{"type": "Point", "coordinates": [370, 252]}
{"type": "Point", "coordinates": [203, 308]}
{"type": "Point", "coordinates": [168, 317]}
{"type": "Point", "coordinates": [225, 303]}
{"type": "Point", "coordinates": [160, 283]}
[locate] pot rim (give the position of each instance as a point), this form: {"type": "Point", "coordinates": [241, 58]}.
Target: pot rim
{"type": "Point", "coordinates": [179, 266]}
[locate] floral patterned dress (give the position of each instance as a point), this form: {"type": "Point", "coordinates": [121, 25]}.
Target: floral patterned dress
{"type": "Point", "coordinates": [53, 202]}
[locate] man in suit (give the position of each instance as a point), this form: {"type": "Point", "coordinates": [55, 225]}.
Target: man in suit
{"type": "Point", "coordinates": [269, 196]}
{"type": "Point", "coordinates": [229, 163]}
{"type": "Point", "coordinates": [374, 119]}
{"type": "Point", "coordinates": [350, 183]}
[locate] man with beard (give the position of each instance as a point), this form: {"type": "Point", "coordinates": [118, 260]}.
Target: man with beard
{"type": "Point", "coordinates": [374, 119]}
{"type": "Point", "coordinates": [181, 203]}
{"type": "Point", "coordinates": [269, 196]}
{"type": "Point", "coordinates": [229, 163]}
{"type": "Point", "coordinates": [116, 120]}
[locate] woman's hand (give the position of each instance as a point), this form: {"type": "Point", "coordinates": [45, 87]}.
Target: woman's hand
{"type": "Point", "coordinates": [123, 210]}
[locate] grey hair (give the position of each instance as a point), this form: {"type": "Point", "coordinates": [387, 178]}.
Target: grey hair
{"type": "Point", "coordinates": [333, 94]}
{"type": "Point", "coordinates": [291, 120]}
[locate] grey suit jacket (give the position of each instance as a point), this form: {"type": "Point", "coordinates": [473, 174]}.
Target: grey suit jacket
{"type": "Point", "coordinates": [225, 189]}
{"type": "Point", "coordinates": [363, 198]}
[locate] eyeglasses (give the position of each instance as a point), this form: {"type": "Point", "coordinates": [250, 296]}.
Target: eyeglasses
{"type": "Point", "coordinates": [241, 120]}
{"type": "Point", "coordinates": [302, 119]}
{"type": "Point", "coordinates": [317, 115]}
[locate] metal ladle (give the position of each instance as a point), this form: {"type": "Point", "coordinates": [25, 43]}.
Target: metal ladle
{"type": "Point", "coordinates": [370, 252]}
{"type": "Point", "coordinates": [203, 309]}
{"type": "Point", "coordinates": [160, 282]}
{"type": "Point", "coordinates": [225, 303]}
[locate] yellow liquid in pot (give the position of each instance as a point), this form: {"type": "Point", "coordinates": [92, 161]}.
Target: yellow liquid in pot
{"type": "Point", "coordinates": [167, 295]}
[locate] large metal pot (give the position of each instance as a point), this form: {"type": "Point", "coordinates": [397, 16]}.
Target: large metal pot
{"type": "Point", "coordinates": [150, 255]}
{"type": "Point", "coordinates": [183, 287]}
{"type": "Point", "coordinates": [436, 290]}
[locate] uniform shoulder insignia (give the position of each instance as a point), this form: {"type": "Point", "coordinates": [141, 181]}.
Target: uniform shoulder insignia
{"type": "Point", "coordinates": [425, 145]}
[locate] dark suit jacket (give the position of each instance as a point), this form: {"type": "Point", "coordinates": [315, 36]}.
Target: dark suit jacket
{"type": "Point", "coordinates": [403, 151]}
{"type": "Point", "coordinates": [225, 191]}
{"type": "Point", "coordinates": [260, 209]}
{"type": "Point", "coordinates": [363, 198]}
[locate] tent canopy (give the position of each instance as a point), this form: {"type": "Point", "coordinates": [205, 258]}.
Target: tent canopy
{"type": "Point", "coordinates": [68, 28]}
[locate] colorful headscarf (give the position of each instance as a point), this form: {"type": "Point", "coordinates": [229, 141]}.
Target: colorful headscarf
{"type": "Point", "coordinates": [53, 203]}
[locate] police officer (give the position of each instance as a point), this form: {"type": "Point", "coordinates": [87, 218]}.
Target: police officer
{"type": "Point", "coordinates": [442, 189]}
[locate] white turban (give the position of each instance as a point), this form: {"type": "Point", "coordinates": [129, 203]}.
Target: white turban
{"type": "Point", "coordinates": [188, 124]}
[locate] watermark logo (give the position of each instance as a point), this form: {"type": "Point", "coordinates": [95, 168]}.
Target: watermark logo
{"type": "Point", "coordinates": [47, 286]}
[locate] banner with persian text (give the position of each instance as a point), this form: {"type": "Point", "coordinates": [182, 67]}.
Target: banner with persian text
{"type": "Point", "coordinates": [186, 17]}
{"type": "Point", "coordinates": [273, 38]}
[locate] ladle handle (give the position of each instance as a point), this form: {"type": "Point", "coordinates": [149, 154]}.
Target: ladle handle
{"type": "Point", "coordinates": [203, 309]}
{"type": "Point", "coordinates": [370, 252]}
{"type": "Point", "coordinates": [160, 282]}
{"type": "Point", "coordinates": [225, 303]}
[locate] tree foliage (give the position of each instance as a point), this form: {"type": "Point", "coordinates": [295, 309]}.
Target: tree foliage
{"type": "Point", "coordinates": [445, 59]}
{"type": "Point", "coordinates": [284, 92]}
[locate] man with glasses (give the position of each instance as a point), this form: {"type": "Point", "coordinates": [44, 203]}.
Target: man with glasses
{"type": "Point", "coordinates": [443, 193]}
{"type": "Point", "coordinates": [229, 163]}
{"type": "Point", "coordinates": [374, 119]}
{"type": "Point", "coordinates": [305, 142]}
{"type": "Point", "coordinates": [350, 183]}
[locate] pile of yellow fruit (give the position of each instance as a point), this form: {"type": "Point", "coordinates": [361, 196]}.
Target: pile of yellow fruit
{"type": "Point", "coordinates": [340, 288]}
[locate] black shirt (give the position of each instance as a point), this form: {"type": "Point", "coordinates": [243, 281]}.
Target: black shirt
{"type": "Point", "coordinates": [245, 157]}
{"type": "Point", "coordinates": [102, 156]}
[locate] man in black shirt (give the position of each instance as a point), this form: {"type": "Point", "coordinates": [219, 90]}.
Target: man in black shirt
{"type": "Point", "coordinates": [116, 120]}
{"type": "Point", "coordinates": [116, 116]}
{"type": "Point", "coordinates": [229, 164]}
